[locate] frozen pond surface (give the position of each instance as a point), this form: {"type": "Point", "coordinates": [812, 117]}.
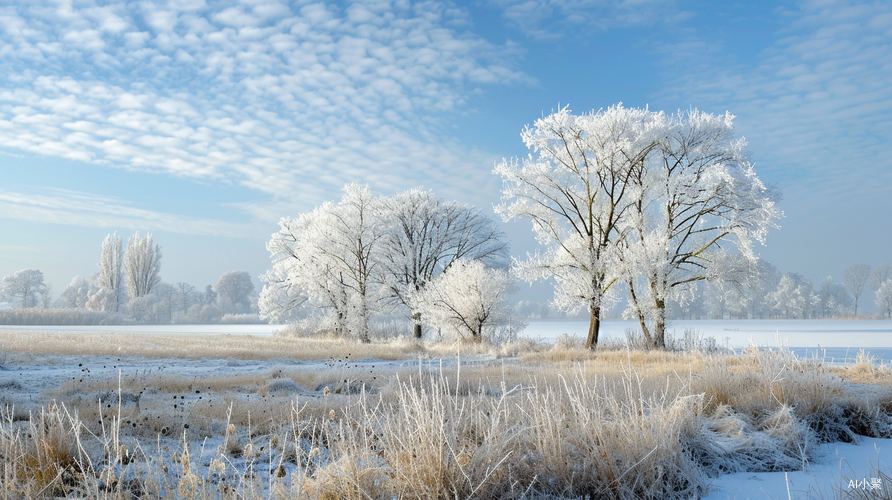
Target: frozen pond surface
{"type": "Point", "coordinates": [833, 340]}
{"type": "Point", "coordinates": [738, 332]}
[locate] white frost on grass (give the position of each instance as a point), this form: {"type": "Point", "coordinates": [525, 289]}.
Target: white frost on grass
{"type": "Point", "coordinates": [842, 470]}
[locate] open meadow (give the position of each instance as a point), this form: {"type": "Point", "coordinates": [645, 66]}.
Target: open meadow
{"type": "Point", "coordinates": [109, 415]}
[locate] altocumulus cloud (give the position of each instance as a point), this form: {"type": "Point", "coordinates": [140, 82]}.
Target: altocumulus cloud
{"type": "Point", "coordinates": [280, 97]}
{"type": "Point", "coordinates": [817, 104]}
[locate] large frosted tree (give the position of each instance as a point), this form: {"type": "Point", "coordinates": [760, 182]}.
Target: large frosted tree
{"type": "Point", "coordinates": [143, 265]}
{"type": "Point", "coordinates": [694, 194]}
{"type": "Point", "coordinates": [109, 292]}
{"type": "Point", "coordinates": [575, 187]}
{"type": "Point", "coordinates": [424, 236]}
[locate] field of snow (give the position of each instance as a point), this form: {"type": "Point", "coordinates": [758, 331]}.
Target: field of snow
{"type": "Point", "coordinates": [29, 379]}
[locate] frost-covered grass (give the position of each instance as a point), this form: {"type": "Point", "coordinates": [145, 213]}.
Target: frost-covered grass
{"type": "Point", "coordinates": [479, 422]}
{"type": "Point", "coordinates": [35, 316]}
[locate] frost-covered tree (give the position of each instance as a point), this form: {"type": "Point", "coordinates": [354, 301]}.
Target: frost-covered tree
{"type": "Point", "coordinates": [880, 275]}
{"type": "Point", "coordinates": [884, 299]}
{"type": "Point", "coordinates": [575, 188]}
{"type": "Point", "coordinates": [694, 194]}
{"type": "Point", "coordinates": [76, 294]}
{"type": "Point", "coordinates": [143, 265]}
{"type": "Point", "coordinates": [834, 299]}
{"type": "Point", "coordinates": [855, 277]}
{"type": "Point", "coordinates": [794, 298]}
{"type": "Point", "coordinates": [184, 296]}
{"type": "Point", "coordinates": [234, 290]}
{"type": "Point", "coordinates": [424, 236]}
{"type": "Point", "coordinates": [108, 295]}
{"type": "Point", "coordinates": [25, 288]}
{"type": "Point", "coordinates": [468, 299]}
{"type": "Point", "coordinates": [329, 256]}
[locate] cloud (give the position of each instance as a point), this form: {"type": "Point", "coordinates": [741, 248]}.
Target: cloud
{"type": "Point", "coordinates": [282, 99]}
{"type": "Point", "coordinates": [552, 19]}
{"type": "Point", "coordinates": [816, 106]}
{"type": "Point", "coordinates": [61, 206]}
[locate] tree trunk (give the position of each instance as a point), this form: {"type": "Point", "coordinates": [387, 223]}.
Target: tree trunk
{"type": "Point", "coordinates": [641, 320]}
{"type": "Point", "coordinates": [593, 326]}
{"type": "Point", "coordinates": [659, 333]}
{"type": "Point", "coordinates": [416, 327]}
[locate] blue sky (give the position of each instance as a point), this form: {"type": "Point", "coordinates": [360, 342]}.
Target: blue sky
{"type": "Point", "coordinates": [205, 122]}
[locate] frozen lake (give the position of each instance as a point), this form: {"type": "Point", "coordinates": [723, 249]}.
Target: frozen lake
{"type": "Point", "coordinates": [833, 339]}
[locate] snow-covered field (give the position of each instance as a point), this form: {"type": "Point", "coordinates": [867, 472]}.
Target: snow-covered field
{"type": "Point", "coordinates": [840, 470]}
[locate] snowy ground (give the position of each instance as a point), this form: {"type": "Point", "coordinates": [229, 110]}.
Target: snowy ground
{"type": "Point", "coordinates": [843, 471]}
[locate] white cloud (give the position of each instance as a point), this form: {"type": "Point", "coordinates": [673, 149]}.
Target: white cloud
{"type": "Point", "coordinates": [279, 99]}
{"type": "Point", "coordinates": [817, 107]}
{"type": "Point", "coordinates": [550, 19]}
{"type": "Point", "coordinates": [84, 209]}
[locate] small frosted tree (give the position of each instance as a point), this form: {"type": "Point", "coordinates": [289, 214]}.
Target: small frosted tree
{"type": "Point", "coordinates": [884, 299]}
{"type": "Point", "coordinates": [76, 294]}
{"type": "Point", "coordinates": [143, 265]}
{"type": "Point", "coordinates": [24, 287]}
{"type": "Point", "coordinates": [109, 293]}
{"type": "Point", "coordinates": [794, 298]}
{"type": "Point", "coordinates": [880, 275]}
{"type": "Point", "coordinates": [575, 189]}
{"type": "Point", "coordinates": [468, 299]}
{"type": "Point", "coordinates": [834, 299]}
{"type": "Point", "coordinates": [855, 278]}
{"type": "Point", "coordinates": [424, 236]}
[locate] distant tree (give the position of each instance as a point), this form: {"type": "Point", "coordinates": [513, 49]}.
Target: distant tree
{"type": "Point", "coordinates": [184, 296]}
{"type": "Point", "coordinates": [143, 265]}
{"type": "Point", "coordinates": [794, 297]}
{"type": "Point", "coordinates": [109, 290]}
{"type": "Point", "coordinates": [575, 188]}
{"type": "Point", "coordinates": [881, 274]}
{"type": "Point", "coordinates": [424, 236]}
{"type": "Point", "coordinates": [209, 296]}
{"type": "Point", "coordinates": [884, 299]}
{"type": "Point", "coordinates": [834, 299]}
{"type": "Point", "coordinates": [855, 277]}
{"type": "Point", "coordinates": [76, 294]}
{"type": "Point", "coordinates": [468, 299]}
{"type": "Point", "coordinates": [25, 286]}
{"type": "Point", "coordinates": [234, 290]}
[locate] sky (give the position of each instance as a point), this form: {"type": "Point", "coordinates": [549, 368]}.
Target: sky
{"type": "Point", "coordinates": [205, 122]}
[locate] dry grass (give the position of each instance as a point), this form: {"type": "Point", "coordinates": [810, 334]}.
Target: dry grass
{"type": "Point", "coordinates": [199, 346]}
{"type": "Point", "coordinates": [547, 424]}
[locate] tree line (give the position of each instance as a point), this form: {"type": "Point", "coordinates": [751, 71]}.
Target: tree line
{"type": "Point", "coordinates": [128, 287]}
